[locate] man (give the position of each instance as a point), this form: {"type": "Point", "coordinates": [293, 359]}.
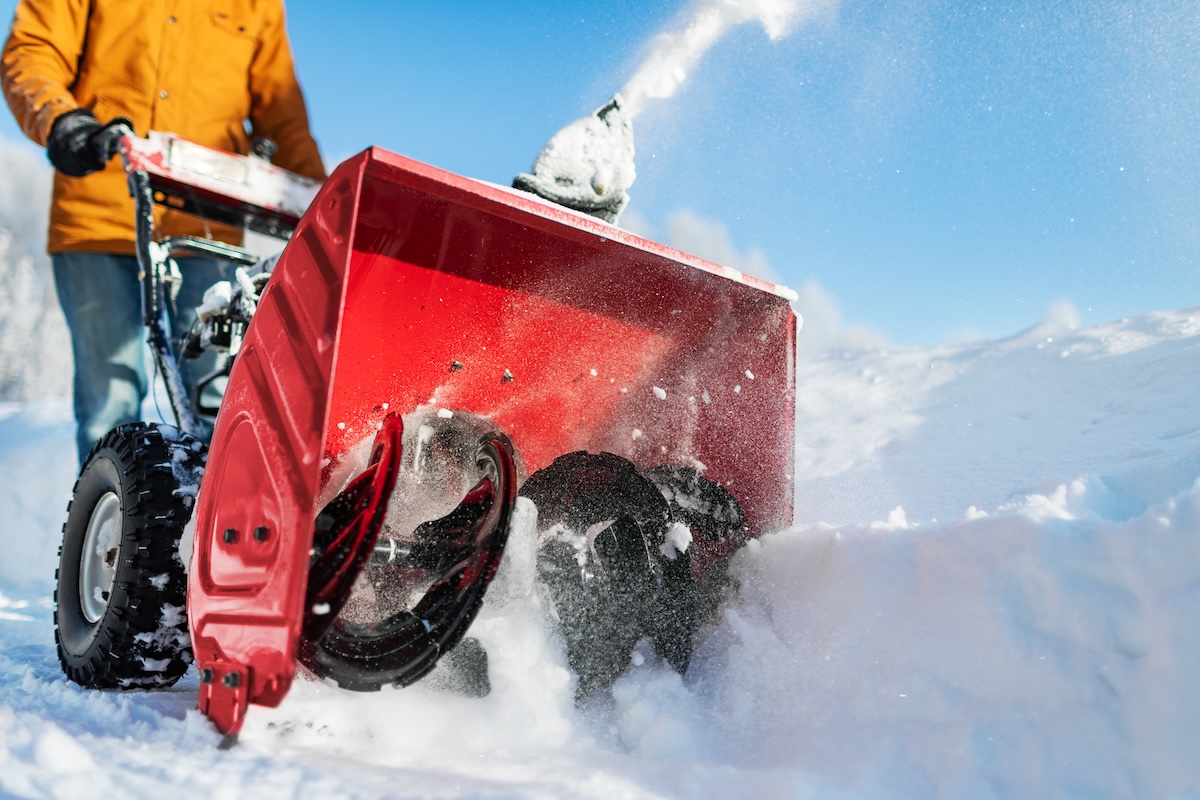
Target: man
{"type": "Point", "coordinates": [217, 72]}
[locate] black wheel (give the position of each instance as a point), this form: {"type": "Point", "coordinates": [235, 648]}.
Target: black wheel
{"type": "Point", "coordinates": [710, 510]}
{"type": "Point", "coordinates": [605, 560]}
{"type": "Point", "coordinates": [703, 505]}
{"type": "Point", "coordinates": [120, 618]}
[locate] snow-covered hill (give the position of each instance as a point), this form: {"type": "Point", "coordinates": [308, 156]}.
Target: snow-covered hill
{"type": "Point", "coordinates": [992, 590]}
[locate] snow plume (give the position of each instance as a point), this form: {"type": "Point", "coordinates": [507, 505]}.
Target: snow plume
{"type": "Point", "coordinates": [675, 53]}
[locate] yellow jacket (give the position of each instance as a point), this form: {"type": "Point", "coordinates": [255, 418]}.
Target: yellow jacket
{"type": "Point", "coordinates": [198, 68]}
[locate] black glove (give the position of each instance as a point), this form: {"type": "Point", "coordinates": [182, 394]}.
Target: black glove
{"type": "Point", "coordinates": [79, 145]}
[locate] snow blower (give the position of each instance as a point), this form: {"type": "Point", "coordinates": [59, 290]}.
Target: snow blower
{"type": "Point", "coordinates": [424, 350]}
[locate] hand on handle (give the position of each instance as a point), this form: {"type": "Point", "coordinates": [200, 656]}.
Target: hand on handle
{"type": "Point", "coordinates": [79, 145]}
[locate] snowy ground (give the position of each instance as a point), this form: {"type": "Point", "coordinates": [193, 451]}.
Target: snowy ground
{"type": "Point", "coordinates": [992, 590]}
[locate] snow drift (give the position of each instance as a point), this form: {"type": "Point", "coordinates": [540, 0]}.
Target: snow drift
{"type": "Point", "coordinates": [991, 591]}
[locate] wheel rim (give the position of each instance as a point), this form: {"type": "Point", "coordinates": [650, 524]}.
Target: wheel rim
{"type": "Point", "coordinates": [101, 549]}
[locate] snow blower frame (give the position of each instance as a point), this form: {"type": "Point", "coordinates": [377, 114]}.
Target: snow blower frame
{"type": "Point", "coordinates": [420, 323]}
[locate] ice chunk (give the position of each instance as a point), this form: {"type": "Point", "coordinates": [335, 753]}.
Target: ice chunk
{"type": "Point", "coordinates": [677, 540]}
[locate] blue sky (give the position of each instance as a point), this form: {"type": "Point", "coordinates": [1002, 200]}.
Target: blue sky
{"type": "Point", "coordinates": [942, 169]}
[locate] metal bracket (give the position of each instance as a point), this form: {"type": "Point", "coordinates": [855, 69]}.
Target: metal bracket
{"type": "Point", "coordinates": [225, 694]}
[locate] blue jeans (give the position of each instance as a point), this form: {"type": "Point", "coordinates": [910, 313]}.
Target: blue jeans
{"type": "Point", "coordinates": [101, 298]}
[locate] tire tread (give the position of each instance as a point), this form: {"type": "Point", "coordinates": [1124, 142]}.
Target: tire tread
{"type": "Point", "coordinates": [131, 632]}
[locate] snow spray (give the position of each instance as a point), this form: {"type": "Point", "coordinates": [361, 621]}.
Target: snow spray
{"type": "Point", "coordinates": [588, 166]}
{"type": "Point", "coordinates": [673, 54]}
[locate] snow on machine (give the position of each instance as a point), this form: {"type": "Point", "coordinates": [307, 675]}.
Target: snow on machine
{"type": "Point", "coordinates": [425, 351]}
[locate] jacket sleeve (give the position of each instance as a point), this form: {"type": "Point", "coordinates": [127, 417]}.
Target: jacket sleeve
{"type": "Point", "coordinates": [277, 106]}
{"type": "Point", "coordinates": [41, 60]}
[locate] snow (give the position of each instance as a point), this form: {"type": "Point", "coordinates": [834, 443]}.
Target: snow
{"type": "Point", "coordinates": [588, 165]}
{"type": "Point", "coordinates": [677, 540]}
{"type": "Point", "coordinates": [991, 590]}
{"type": "Point", "coordinates": [674, 53]}
{"type": "Point", "coordinates": [216, 299]}
{"type": "Point", "coordinates": [35, 361]}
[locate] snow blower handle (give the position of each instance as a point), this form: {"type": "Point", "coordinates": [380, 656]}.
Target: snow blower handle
{"type": "Point", "coordinates": [78, 145]}
{"type": "Point", "coordinates": [107, 141]}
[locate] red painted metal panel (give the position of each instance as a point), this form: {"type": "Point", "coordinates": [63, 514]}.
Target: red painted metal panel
{"type": "Point", "coordinates": [245, 596]}
{"type": "Point", "coordinates": [408, 288]}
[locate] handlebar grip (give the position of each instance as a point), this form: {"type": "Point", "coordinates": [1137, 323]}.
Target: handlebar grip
{"type": "Point", "coordinates": [107, 140]}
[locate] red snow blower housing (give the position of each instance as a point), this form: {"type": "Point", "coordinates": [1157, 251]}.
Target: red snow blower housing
{"type": "Point", "coordinates": [426, 351]}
